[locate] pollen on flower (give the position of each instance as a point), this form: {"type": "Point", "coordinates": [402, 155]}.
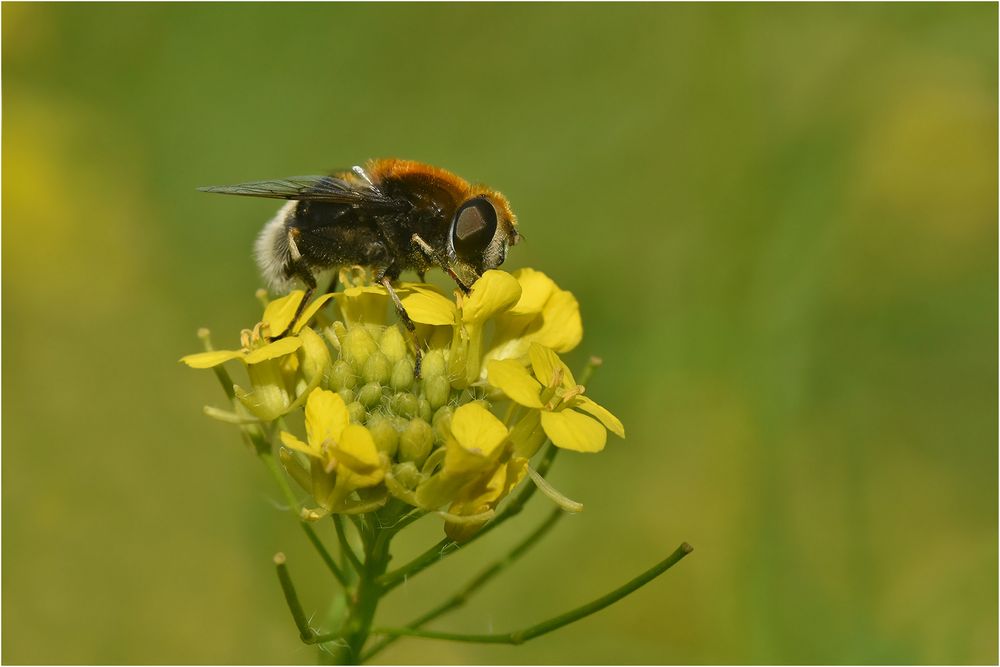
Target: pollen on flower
{"type": "Point", "coordinates": [455, 438]}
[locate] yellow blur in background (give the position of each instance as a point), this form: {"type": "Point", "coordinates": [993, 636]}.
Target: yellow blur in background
{"type": "Point", "coordinates": [780, 222]}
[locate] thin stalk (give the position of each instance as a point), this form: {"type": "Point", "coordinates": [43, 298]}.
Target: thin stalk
{"type": "Point", "coordinates": [477, 582]}
{"type": "Point", "coordinates": [306, 633]}
{"type": "Point", "coordinates": [448, 546]}
{"type": "Point", "coordinates": [345, 545]}
{"type": "Point", "coordinates": [293, 503]}
{"type": "Point", "coordinates": [554, 623]}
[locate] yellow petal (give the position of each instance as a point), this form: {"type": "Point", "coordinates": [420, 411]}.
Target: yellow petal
{"type": "Point", "coordinates": [426, 306]}
{"type": "Point", "coordinates": [494, 292]}
{"type": "Point", "coordinates": [545, 362]}
{"type": "Point", "coordinates": [364, 304]}
{"type": "Point", "coordinates": [279, 313]}
{"type": "Point", "coordinates": [326, 418]}
{"type": "Point", "coordinates": [536, 288]}
{"type": "Point", "coordinates": [515, 381]}
{"type": "Point", "coordinates": [210, 359]}
{"type": "Point", "coordinates": [310, 310]}
{"type": "Point", "coordinates": [477, 429]}
{"type": "Point", "coordinates": [527, 434]}
{"type": "Point", "coordinates": [569, 429]}
{"type": "Point", "coordinates": [612, 423]}
{"type": "Point", "coordinates": [561, 329]}
{"type": "Point", "coordinates": [290, 441]}
{"type": "Point", "coordinates": [356, 449]}
{"type": "Point", "coordinates": [278, 348]}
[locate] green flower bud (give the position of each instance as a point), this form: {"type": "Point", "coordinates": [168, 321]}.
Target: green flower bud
{"type": "Point", "coordinates": [357, 345]}
{"type": "Point", "coordinates": [370, 395]}
{"type": "Point", "coordinates": [407, 475]}
{"type": "Point", "coordinates": [402, 375]}
{"type": "Point", "coordinates": [416, 441]}
{"type": "Point", "coordinates": [405, 404]}
{"type": "Point", "coordinates": [437, 389]}
{"type": "Point", "coordinates": [433, 364]}
{"type": "Point", "coordinates": [393, 344]}
{"type": "Point", "coordinates": [335, 334]}
{"type": "Point", "coordinates": [399, 423]}
{"type": "Point", "coordinates": [314, 355]}
{"type": "Point", "coordinates": [377, 368]}
{"type": "Point", "coordinates": [347, 395]}
{"type": "Point", "coordinates": [357, 412]}
{"type": "Point", "coordinates": [434, 461]}
{"type": "Point", "coordinates": [424, 410]}
{"type": "Point", "coordinates": [342, 376]}
{"type": "Point", "coordinates": [385, 435]}
{"type": "Point", "coordinates": [442, 422]}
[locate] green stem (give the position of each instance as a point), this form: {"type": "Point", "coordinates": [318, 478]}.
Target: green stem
{"type": "Point", "coordinates": [293, 503]}
{"type": "Point", "coordinates": [448, 546]}
{"type": "Point", "coordinates": [556, 622]}
{"type": "Point", "coordinates": [345, 545]}
{"type": "Point", "coordinates": [477, 582]}
{"type": "Point", "coordinates": [306, 633]}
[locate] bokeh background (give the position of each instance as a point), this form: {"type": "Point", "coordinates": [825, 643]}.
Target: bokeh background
{"type": "Point", "coordinates": [780, 221]}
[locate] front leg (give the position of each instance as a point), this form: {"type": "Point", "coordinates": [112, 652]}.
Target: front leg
{"type": "Point", "coordinates": [405, 317]}
{"type": "Point", "coordinates": [437, 258]}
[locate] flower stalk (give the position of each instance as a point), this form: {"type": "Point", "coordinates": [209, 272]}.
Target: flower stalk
{"type": "Point", "coordinates": [462, 419]}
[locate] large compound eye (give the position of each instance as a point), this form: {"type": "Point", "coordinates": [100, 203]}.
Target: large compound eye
{"type": "Point", "coordinates": [474, 227]}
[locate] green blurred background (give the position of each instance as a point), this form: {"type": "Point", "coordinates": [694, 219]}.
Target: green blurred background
{"type": "Point", "coordinates": [780, 221]}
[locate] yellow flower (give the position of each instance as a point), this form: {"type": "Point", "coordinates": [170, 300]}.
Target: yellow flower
{"type": "Point", "coordinates": [560, 401]}
{"type": "Point", "coordinates": [544, 314]}
{"type": "Point", "coordinates": [343, 456]}
{"type": "Point", "coordinates": [269, 363]}
{"type": "Point", "coordinates": [478, 472]}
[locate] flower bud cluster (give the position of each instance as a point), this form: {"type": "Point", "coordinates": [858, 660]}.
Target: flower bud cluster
{"type": "Point", "coordinates": [383, 422]}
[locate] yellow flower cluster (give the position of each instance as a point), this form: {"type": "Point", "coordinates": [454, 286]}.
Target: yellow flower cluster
{"type": "Point", "coordinates": [377, 427]}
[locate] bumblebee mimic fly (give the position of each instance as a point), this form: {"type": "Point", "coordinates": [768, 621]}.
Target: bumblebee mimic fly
{"type": "Point", "coordinates": [389, 216]}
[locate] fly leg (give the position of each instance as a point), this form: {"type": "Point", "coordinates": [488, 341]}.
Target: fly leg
{"type": "Point", "coordinates": [439, 259]}
{"type": "Point", "coordinates": [410, 326]}
{"type": "Point", "coordinates": [306, 276]}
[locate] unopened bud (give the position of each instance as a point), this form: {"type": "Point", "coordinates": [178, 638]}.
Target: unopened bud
{"type": "Point", "coordinates": [347, 394]}
{"type": "Point", "coordinates": [442, 422]}
{"type": "Point", "coordinates": [357, 412]}
{"type": "Point", "coordinates": [437, 389]}
{"type": "Point", "coordinates": [424, 410]}
{"type": "Point", "coordinates": [433, 364]}
{"type": "Point", "coordinates": [314, 355]}
{"type": "Point", "coordinates": [405, 404]}
{"type": "Point", "coordinates": [342, 376]}
{"type": "Point", "coordinates": [357, 346]}
{"type": "Point", "coordinates": [377, 368]}
{"type": "Point", "coordinates": [416, 441]}
{"type": "Point", "coordinates": [402, 375]}
{"type": "Point", "coordinates": [407, 474]}
{"type": "Point", "coordinates": [393, 344]}
{"type": "Point", "coordinates": [370, 395]}
{"type": "Point", "coordinates": [384, 434]}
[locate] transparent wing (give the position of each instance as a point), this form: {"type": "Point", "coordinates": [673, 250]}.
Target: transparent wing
{"type": "Point", "coordinates": [308, 188]}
